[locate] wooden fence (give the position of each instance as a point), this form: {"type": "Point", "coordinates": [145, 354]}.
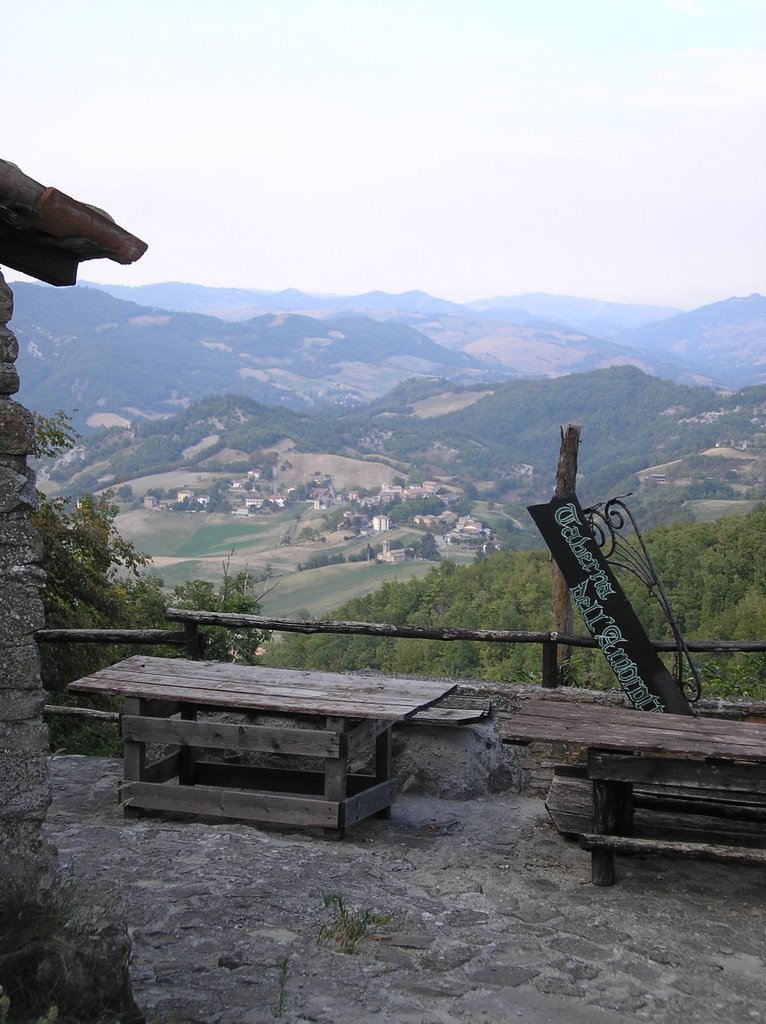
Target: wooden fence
{"type": "Point", "coordinates": [191, 639]}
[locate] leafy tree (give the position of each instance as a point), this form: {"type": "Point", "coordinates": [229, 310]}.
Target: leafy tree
{"type": "Point", "coordinates": [83, 558]}
{"type": "Point", "coordinates": [426, 548]}
{"type": "Point", "coordinates": [93, 580]}
{"type": "Point", "coordinates": [235, 594]}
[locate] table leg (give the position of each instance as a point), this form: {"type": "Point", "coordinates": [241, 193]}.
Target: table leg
{"type": "Point", "coordinates": [134, 759]}
{"type": "Point", "coordinates": [604, 817]}
{"type": "Point", "coordinates": [612, 815]}
{"type": "Point", "coordinates": [336, 774]}
{"type": "Point", "coordinates": [383, 764]}
{"type": "Point", "coordinates": [187, 756]}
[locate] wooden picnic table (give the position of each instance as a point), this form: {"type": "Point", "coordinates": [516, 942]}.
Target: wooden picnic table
{"type": "Point", "coordinates": [627, 748]}
{"type": "Point", "coordinates": [328, 717]}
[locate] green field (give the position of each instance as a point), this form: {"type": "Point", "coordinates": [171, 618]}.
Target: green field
{"type": "Point", "coordinates": [318, 591]}
{"type": "Point", "coordinates": [195, 545]}
{"type": "Point", "coordinates": [705, 510]}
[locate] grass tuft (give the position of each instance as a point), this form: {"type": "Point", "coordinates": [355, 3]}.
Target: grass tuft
{"type": "Point", "coordinates": [347, 929]}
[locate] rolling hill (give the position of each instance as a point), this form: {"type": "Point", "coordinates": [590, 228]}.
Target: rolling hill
{"type": "Point", "coordinates": [84, 349]}
{"type": "Point", "coordinates": [499, 443]}
{"type": "Point", "coordinates": [118, 362]}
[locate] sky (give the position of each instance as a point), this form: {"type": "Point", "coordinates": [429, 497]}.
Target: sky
{"type": "Point", "coordinates": [611, 149]}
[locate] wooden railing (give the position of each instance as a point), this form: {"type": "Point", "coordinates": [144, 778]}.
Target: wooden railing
{"type": "Point", "coordinates": [192, 640]}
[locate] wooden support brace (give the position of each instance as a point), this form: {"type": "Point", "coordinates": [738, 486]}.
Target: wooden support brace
{"type": "Point", "coordinates": [673, 848]}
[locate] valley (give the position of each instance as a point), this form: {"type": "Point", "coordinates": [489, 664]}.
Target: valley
{"type": "Point", "coordinates": [230, 425]}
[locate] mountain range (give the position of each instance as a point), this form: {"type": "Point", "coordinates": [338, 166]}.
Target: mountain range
{"type": "Point", "coordinates": [118, 362]}
{"type": "Point", "coordinates": [591, 316]}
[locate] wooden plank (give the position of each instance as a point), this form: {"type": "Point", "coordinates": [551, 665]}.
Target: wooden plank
{"type": "Point", "coordinates": [604, 816]}
{"type": "Point", "coordinates": [213, 676]}
{"type": "Point", "coordinates": [134, 753]}
{"type": "Point", "coordinates": [220, 698]}
{"type": "Point", "coordinates": [597, 715]}
{"type": "Point", "coordinates": [282, 679]}
{"type": "Point", "coordinates": [245, 700]}
{"type": "Point", "coordinates": [449, 716]}
{"type": "Point", "coordinates": [748, 778]}
{"type": "Point", "coordinates": [698, 802]}
{"type": "Point", "coordinates": [364, 734]}
{"type": "Point", "coordinates": [608, 728]}
{"type": "Point", "coordinates": [690, 813]}
{"type": "Point", "coordinates": [276, 780]}
{"type": "Point", "coordinates": [164, 769]}
{"type": "Point", "coordinates": [336, 771]}
{"type": "Point", "coordinates": [231, 736]}
{"type": "Point", "coordinates": [133, 756]}
{"type": "Point", "coordinates": [231, 803]}
{"type": "Point", "coordinates": [374, 800]}
{"type": "Point", "coordinates": [673, 848]}
{"type": "Point", "coordinates": [267, 688]}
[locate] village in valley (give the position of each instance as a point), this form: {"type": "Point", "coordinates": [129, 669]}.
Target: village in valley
{"type": "Point", "coordinates": [357, 512]}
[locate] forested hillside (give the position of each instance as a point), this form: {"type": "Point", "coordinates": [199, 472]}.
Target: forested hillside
{"type": "Point", "coordinates": [497, 442]}
{"type": "Point", "coordinates": [714, 574]}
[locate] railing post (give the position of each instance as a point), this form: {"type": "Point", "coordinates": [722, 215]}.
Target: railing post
{"type": "Point", "coordinates": [193, 641]}
{"type": "Point", "coordinates": [550, 675]}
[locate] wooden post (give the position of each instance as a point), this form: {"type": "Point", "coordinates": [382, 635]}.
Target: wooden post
{"type": "Point", "coordinates": [549, 673]}
{"type": "Point", "coordinates": [336, 775]}
{"type": "Point", "coordinates": [604, 818]}
{"type": "Point", "coordinates": [187, 755]}
{"type": "Point", "coordinates": [193, 641]}
{"type": "Point", "coordinates": [134, 759]}
{"type": "Point", "coordinates": [383, 752]}
{"type": "Point", "coordinates": [566, 481]}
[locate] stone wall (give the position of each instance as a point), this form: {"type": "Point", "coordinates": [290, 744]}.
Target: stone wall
{"type": "Point", "coordinates": [26, 859]}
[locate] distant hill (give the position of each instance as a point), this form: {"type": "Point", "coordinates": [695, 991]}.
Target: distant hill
{"type": "Point", "coordinates": [117, 361]}
{"type": "Point", "coordinates": [530, 347]}
{"type": "Point", "coordinates": [592, 316]}
{"type": "Point", "coordinates": [500, 444]}
{"type": "Point", "coordinates": [726, 341]}
{"type": "Point", "coordinates": [81, 348]}
{"type": "Point", "coordinates": [242, 303]}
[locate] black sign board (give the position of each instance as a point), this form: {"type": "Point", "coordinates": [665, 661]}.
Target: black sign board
{"type": "Point", "coordinates": [605, 609]}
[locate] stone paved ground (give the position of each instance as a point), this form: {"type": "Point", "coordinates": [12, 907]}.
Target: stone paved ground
{"type": "Point", "coordinates": [492, 918]}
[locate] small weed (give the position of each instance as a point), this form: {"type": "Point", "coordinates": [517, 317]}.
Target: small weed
{"type": "Point", "coordinates": [279, 1008]}
{"type": "Point", "coordinates": [347, 929]}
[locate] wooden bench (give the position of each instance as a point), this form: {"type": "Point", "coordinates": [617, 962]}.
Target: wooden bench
{"type": "Point", "coordinates": [329, 718]}
{"type": "Point", "coordinates": [628, 748]}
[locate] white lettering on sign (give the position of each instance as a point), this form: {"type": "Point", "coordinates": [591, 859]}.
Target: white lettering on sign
{"type": "Point", "coordinates": [602, 626]}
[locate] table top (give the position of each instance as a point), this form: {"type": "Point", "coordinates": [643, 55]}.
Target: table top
{"type": "Point", "coordinates": [632, 731]}
{"type": "Point", "coordinates": [255, 688]}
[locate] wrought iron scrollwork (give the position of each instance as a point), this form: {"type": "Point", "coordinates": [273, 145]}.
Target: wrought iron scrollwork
{"type": "Point", "coordinates": [608, 520]}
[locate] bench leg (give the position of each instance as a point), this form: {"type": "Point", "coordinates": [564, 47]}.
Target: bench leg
{"type": "Point", "coordinates": [336, 775]}
{"type": "Point", "coordinates": [612, 815]}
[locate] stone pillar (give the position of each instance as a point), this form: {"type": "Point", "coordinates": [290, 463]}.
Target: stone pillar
{"type": "Point", "coordinates": [26, 859]}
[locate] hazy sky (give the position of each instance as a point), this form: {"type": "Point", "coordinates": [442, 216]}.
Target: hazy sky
{"type": "Point", "coordinates": [606, 148]}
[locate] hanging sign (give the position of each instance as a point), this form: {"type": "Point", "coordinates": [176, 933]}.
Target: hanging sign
{"type": "Point", "coordinates": [605, 609]}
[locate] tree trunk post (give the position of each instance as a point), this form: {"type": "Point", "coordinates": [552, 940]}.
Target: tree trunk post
{"type": "Point", "coordinates": [566, 480]}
